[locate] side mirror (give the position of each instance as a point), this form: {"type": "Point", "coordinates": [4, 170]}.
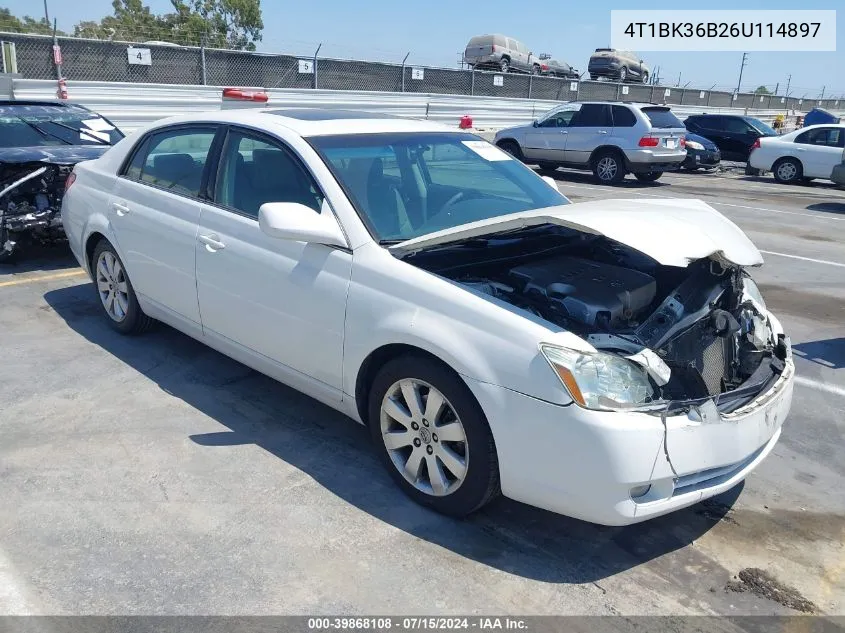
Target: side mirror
{"type": "Point", "coordinates": [295, 221]}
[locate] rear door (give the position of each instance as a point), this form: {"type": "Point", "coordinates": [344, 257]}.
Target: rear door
{"type": "Point", "coordinates": [590, 127]}
{"type": "Point", "coordinates": [477, 48]}
{"type": "Point", "coordinates": [155, 209]}
{"type": "Point", "coordinates": [819, 150]}
{"type": "Point", "coordinates": [548, 140]}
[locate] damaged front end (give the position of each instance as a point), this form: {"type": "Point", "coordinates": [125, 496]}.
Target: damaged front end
{"type": "Point", "coordinates": [32, 183]}
{"type": "Point", "coordinates": [661, 338]}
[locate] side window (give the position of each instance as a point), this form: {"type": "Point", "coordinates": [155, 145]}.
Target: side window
{"type": "Point", "coordinates": [592, 115]}
{"type": "Point", "coordinates": [737, 126]}
{"type": "Point", "coordinates": [707, 122]}
{"type": "Point", "coordinates": [173, 159]}
{"type": "Point", "coordinates": [829, 137]}
{"type": "Point", "coordinates": [254, 170]}
{"type": "Point", "coordinates": [512, 45]}
{"type": "Point", "coordinates": [623, 117]}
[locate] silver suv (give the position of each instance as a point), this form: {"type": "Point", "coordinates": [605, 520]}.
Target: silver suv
{"type": "Point", "coordinates": [502, 53]}
{"type": "Point", "coordinates": [610, 139]}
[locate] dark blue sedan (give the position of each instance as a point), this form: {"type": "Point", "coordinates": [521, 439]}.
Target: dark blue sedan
{"type": "Point", "coordinates": [702, 153]}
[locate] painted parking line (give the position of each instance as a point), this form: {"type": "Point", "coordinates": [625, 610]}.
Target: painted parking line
{"type": "Point", "coordinates": [820, 386]}
{"type": "Point", "coordinates": [50, 277]}
{"type": "Point", "coordinates": [805, 259]}
{"type": "Point", "coordinates": [806, 215]}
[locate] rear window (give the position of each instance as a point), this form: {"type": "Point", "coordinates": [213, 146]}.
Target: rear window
{"type": "Point", "coordinates": [662, 117]}
{"type": "Point", "coordinates": [481, 40]}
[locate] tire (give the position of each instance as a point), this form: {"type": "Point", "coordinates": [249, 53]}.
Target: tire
{"type": "Point", "coordinates": [788, 171]}
{"type": "Point", "coordinates": [547, 166]}
{"type": "Point", "coordinates": [505, 65]}
{"type": "Point", "coordinates": [594, 77]}
{"type": "Point", "coordinates": [475, 453]}
{"type": "Point", "coordinates": [133, 321]}
{"type": "Point", "coordinates": [623, 75]}
{"type": "Point", "coordinates": [645, 77]}
{"type": "Point", "coordinates": [608, 167]}
{"type": "Point", "coordinates": [535, 69]}
{"type": "Point", "coordinates": [650, 176]}
{"type": "Point", "coordinates": [512, 148]}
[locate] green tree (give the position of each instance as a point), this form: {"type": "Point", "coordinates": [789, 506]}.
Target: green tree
{"type": "Point", "coordinates": [216, 23]}
{"type": "Point", "coordinates": [762, 90]}
{"type": "Point", "coordinates": [13, 24]}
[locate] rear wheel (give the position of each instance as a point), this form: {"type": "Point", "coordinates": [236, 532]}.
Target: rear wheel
{"type": "Point", "coordinates": [623, 74]}
{"type": "Point", "coordinates": [787, 170]}
{"type": "Point", "coordinates": [432, 435]}
{"type": "Point", "coordinates": [505, 65]}
{"type": "Point", "coordinates": [608, 168]}
{"type": "Point", "coordinates": [650, 176]}
{"type": "Point", "coordinates": [116, 293]}
{"type": "Point", "coordinates": [645, 77]}
{"type": "Point", "coordinates": [535, 70]}
{"type": "Point", "coordinates": [512, 148]}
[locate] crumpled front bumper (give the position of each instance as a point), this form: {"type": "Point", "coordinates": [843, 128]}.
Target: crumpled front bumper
{"type": "Point", "coordinates": [585, 464]}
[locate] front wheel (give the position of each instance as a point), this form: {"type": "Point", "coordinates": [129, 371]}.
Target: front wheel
{"type": "Point", "coordinates": [432, 436]}
{"type": "Point", "coordinates": [116, 293]}
{"type": "Point", "coordinates": [547, 166]}
{"type": "Point", "coordinates": [649, 176]}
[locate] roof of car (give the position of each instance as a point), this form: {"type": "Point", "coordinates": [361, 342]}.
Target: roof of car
{"type": "Point", "coordinates": [314, 121]}
{"type": "Point", "coordinates": [40, 102]}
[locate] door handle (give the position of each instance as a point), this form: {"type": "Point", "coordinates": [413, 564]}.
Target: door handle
{"type": "Point", "coordinates": [120, 208]}
{"type": "Point", "coordinates": [564, 131]}
{"type": "Point", "coordinates": [602, 131]}
{"type": "Point", "coordinates": [212, 243]}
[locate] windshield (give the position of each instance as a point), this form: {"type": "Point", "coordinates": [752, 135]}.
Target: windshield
{"type": "Point", "coordinates": [762, 127]}
{"type": "Point", "coordinates": [409, 184]}
{"type": "Point", "coordinates": [40, 125]}
{"type": "Point", "coordinates": [662, 118]}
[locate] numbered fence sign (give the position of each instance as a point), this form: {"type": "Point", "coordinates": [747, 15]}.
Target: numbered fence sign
{"type": "Point", "coordinates": [417, 73]}
{"type": "Point", "coordinates": [498, 80]}
{"type": "Point", "coordinates": [667, 92]}
{"type": "Point", "coordinates": [701, 94]}
{"type": "Point", "coordinates": [624, 90]}
{"type": "Point", "coordinates": [573, 86]}
{"type": "Point", "coordinates": [140, 56]}
{"type": "Point", "coordinates": [306, 66]}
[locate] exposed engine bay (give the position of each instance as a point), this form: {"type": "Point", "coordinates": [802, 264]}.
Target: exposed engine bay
{"type": "Point", "coordinates": [30, 211]}
{"type": "Point", "coordinates": [706, 323]}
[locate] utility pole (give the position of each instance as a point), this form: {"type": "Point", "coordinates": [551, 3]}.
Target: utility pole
{"type": "Point", "coordinates": [46, 13]}
{"type": "Point", "coordinates": [679, 80]}
{"type": "Point", "coordinates": [821, 96]}
{"type": "Point", "coordinates": [786, 99]}
{"type": "Point", "coordinates": [744, 58]}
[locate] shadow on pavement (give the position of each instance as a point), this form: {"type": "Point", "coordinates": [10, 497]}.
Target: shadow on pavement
{"type": "Point", "coordinates": [828, 353]}
{"type": "Point", "coordinates": [44, 258]}
{"type": "Point", "coordinates": [336, 453]}
{"type": "Point", "coordinates": [828, 207]}
{"type": "Point", "coordinates": [583, 177]}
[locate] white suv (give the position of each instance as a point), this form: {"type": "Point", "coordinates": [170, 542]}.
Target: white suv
{"type": "Point", "coordinates": [610, 139]}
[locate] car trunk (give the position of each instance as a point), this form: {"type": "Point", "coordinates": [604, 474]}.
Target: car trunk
{"type": "Point", "coordinates": [665, 127]}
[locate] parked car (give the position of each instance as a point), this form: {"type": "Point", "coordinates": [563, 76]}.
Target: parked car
{"type": "Point", "coordinates": [40, 142]}
{"type": "Point", "coordinates": [811, 152]}
{"type": "Point", "coordinates": [702, 153]}
{"type": "Point", "coordinates": [502, 53]}
{"type": "Point", "coordinates": [557, 68]}
{"type": "Point", "coordinates": [610, 139]}
{"type": "Point", "coordinates": [610, 63]}
{"type": "Point", "coordinates": [611, 360]}
{"type": "Point", "coordinates": [838, 173]}
{"type": "Point", "coordinates": [734, 134]}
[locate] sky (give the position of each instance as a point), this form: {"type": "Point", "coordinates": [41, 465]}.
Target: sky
{"type": "Point", "coordinates": [435, 32]}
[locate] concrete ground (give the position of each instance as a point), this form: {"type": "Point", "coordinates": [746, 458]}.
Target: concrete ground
{"type": "Point", "coordinates": [154, 476]}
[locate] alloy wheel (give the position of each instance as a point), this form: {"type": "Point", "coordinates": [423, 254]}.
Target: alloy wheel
{"type": "Point", "coordinates": [112, 286]}
{"type": "Point", "coordinates": [787, 171]}
{"type": "Point", "coordinates": [424, 437]}
{"type": "Point", "coordinates": [606, 168]}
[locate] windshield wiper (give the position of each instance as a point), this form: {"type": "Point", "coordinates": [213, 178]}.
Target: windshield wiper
{"type": "Point", "coordinates": [81, 131]}
{"type": "Point", "coordinates": [42, 131]}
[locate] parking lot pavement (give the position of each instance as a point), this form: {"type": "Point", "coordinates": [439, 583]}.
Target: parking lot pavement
{"type": "Point", "coordinates": [153, 475]}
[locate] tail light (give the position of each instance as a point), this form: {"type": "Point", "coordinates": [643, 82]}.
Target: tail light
{"type": "Point", "coordinates": [71, 178]}
{"type": "Point", "coordinates": [683, 141]}
{"type": "Point", "coordinates": [493, 48]}
{"type": "Point", "coordinates": [649, 141]}
{"type": "Point", "coordinates": [756, 145]}
{"type": "Point", "coordinates": [544, 66]}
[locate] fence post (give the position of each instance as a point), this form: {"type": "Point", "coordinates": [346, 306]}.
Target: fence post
{"type": "Point", "coordinates": [315, 64]}
{"type": "Point", "coordinates": [530, 83]}
{"type": "Point", "coordinates": [618, 90]}
{"type": "Point", "coordinates": [472, 82]}
{"type": "Point", "coordinates": [202, 62]}
{"type": "Point", "coordinates": [403, 70]}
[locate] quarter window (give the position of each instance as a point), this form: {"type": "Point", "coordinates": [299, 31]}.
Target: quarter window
{"type": "Point", "coordinates": [828, 137]}
{"type": "Point", "coordinates": [254, 170]}
{"type": "Point", "coordinates": [173, 160]}
{"type": "Point", "coordinates": [623, 117]}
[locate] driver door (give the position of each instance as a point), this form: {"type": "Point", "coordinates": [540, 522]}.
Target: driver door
{"type": "Point", "coordinates": [548, 140]}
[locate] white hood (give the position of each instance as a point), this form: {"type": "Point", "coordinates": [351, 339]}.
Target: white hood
{"type": "Point", "coordinates": [674, 232]}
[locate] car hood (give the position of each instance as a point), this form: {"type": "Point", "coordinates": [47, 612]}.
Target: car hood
{"type": "Point", "coordinates": [58, 154]}
{"type": "Point", "coordinates": [673, 232]}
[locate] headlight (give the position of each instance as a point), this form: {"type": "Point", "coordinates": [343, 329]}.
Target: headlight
{"type": "Point", "coordinates": [598, 380]}
{"type": "Point", "coordinates": [694, 145]}
{"type": "Point", "coordinates": [751, 291]}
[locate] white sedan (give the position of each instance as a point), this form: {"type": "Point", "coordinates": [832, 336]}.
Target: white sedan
{"type": "Point", "coordinates": [611, 361]}
{"type": "Point", "coordinates": [811, 152]}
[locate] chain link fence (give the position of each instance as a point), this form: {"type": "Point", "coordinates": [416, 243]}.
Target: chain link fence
{"type": "Point", "coordinates": [97, 60]}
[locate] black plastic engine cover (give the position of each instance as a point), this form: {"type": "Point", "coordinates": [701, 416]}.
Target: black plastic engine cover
{"type": "Point", "coordinates": [593, 293]}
